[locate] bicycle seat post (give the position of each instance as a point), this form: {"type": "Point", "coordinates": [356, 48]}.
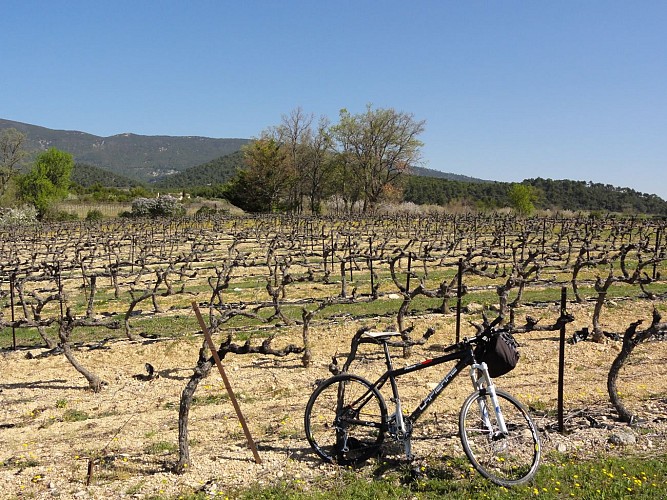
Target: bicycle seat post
{"type": "Point", "coordinates": [387, 356]}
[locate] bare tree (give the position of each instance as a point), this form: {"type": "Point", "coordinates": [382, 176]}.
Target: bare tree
{"type": "Point", "coordinates": [11, 155]}
{"type": "Point", "coordinates": [294, 134]}
{"type": "Point", "coordinates": [380, 145]}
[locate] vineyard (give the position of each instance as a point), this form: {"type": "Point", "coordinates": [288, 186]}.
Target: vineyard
{"type": "Point", "coordinates": [106, 379]}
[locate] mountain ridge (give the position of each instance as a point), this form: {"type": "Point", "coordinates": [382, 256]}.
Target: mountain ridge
{"type": "Point", "coordinates": [183, 162]}
{"type": "Point", "coordinates": [141, 157]}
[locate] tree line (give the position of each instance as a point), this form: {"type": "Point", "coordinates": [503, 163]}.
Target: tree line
{"type": "Point", "coordinates": [542, 193]}
{"type": "Point", "coordinates": [299, 163]}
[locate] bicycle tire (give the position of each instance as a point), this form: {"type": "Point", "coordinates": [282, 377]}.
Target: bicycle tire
{"type": "Point", "coordinates": [508, 460]}
{"type": "Point", "coordinates": [345, 420]}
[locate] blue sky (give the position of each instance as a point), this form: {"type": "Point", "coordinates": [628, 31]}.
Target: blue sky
{"type": "Point", "coordinates": [508, 89]}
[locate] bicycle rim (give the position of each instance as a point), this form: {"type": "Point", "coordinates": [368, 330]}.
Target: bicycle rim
{"type": "Point", "coordinates": [345, 420]}
{"type": "Point", "coordinates": [507, 460]}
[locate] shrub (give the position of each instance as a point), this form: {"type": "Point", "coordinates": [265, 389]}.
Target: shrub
{"type": "Point", "coordinates": [26, 214]}
{"type": "Point", "coordinates": [206, 210]}
{"type": "Point", "coordinates": [58, 216]}
{"type": "Point", "coordinates": [163, 206]}
{"type": "Point", "coordinates": [94, 215]}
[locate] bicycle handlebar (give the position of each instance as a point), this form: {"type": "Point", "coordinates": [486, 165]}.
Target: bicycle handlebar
{"type": "Point", "coordinates": [480, 337]}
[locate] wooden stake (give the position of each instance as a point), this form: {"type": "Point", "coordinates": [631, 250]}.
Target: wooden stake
{"type": "Point", "coordinates": [228, 386]}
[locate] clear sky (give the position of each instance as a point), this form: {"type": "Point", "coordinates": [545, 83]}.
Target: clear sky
{"type": "Point", "coordinates": [508, 89]}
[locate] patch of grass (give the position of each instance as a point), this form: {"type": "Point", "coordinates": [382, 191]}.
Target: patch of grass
{"type": "Point", "coordinates": [161, 447]}
{"type": "Point", "coordinates": [73, 415]}
{"type": "Point", "coordinates": [560, 477]}
{"type": "Point", "coordinates": [19, 462]}
{"type": "Point", "coordinates": [210, 399]}
{"type": "Point", "coordinates": [165, 326]}
{"type": "Point", "coordinates": [61, 403]}
{"type": "Point", "coordinates": [108, 413]}
{"type": "Point", "coordinates": [135, 488]}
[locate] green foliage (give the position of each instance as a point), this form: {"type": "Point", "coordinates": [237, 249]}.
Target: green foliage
{"type": "Point", "coordinates": [522, 198]}
{"type": "Point", "coordinates": [94, 215]}
{"type": "Point", "coordinates": [581, 195]}
{"type": "Point", "coordinates": [375, 148]}
{"type": "Point", "coordinates": [48, 181]}
{"type": "Point", "coordinates": [73, 415]}
{"type": "Point", "coordinates": [265, 182]}
{"type": "Point", "coordinates": [561, 477]}
{"type": "Point", "coordinates": [90, 176]}
{"type": "Point", "coordinates": [432, 191]}
{"type": "Point", "coordinates": [558, 195]}
{"type": "Point", "coordinates": [161, 447]}
{"type": "Point", "coordinates": [52, 215]}
{"type": "Point", "coordinates": [208, 210]}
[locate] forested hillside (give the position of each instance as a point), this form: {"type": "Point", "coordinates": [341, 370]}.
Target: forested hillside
{"type": "Point", "coordinates": [550, 194]}
{"type": "Point", "coordinates": [138, 156]}
{"type": "Point", "coordinates": [581, 195]}
{"type": "Point", "coordinates": [218, 171]}
{"type": "Point", "coordinates": [90, 175]}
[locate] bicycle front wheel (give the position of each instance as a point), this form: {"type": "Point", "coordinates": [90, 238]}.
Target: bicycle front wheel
{"type": "Point", "coordinates": [506, 459]}
{"type": "Point", "coordinates": [345, 420]}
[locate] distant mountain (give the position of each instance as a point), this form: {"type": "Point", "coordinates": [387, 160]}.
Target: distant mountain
{"type": "Point", "coordinates": [136, 156]}
{"type": "Point", "coordinates": [189, 162]}
{"type": "Point", "coordinates": [437, 174]}
{"type": "Point", "coordinates": [221, 170]}
{"type": "Point", "coordinates": [217, 171]}
{"type": "Point", "coordinates": [89, 175]}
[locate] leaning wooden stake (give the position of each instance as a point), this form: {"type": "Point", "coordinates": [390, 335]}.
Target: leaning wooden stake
{"type": "Point", "coordinates": [216, 358]}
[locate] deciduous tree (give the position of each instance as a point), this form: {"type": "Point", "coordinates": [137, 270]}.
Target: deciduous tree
{"type": "Point", "coordinates": [48, 181]}
{"type": "Point", "coordinates": [11, 155]}
{"type": "Point", "coordinates": [264, 185]}
{"type": "Point", "coordinates": [377, 147]}
{"type": "Point", "coordinates": [522, 197]}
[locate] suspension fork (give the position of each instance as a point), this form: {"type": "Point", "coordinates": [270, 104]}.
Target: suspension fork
{"type": "Point", "coordinates": [481, 381]}
{"type": "Point", "coordinates": [400, 421]}
{"type": "Point", "coordinates": [403, 431]}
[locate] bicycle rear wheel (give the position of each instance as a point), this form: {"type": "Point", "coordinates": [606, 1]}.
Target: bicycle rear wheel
{"type": "Point", "coordinates": [345, 420]}
{"type": "Point", "coordinates": [507, 460]}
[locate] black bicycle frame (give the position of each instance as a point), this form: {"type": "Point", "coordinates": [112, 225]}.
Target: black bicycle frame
{"type": "Point", "coordinates": [465, 358]}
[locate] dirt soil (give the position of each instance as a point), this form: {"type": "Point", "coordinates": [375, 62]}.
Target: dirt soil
{"type": "Point", "coordinates": [51, 425]}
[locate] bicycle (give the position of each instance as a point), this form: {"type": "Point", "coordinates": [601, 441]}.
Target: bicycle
{"type": "Point", "coordinates": [346, 418]}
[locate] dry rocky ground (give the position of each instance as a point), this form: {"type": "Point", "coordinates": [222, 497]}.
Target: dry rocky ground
{"type": "Point", "coordinates": [51, 425]}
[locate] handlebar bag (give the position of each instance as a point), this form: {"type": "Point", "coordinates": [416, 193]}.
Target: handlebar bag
{"type": "Point", "coordinates": [500, 353]}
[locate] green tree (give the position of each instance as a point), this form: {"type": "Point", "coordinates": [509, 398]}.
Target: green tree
{"type": "Point", "coordinates": [48, 180]}
{"type": "Point", "coordinates": [377, 147]}
{"type": "Point", "coordinates": [11, 156]}
{"type": "Point", "coordinates": [266, 182]}
{"type": "Point", "coordinates": [522, 198]}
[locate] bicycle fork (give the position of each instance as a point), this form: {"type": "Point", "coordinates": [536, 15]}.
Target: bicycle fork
{"type": "Point", "coordinates": [401, 429]}
{"type": "Point", "coordinates": [484, 383]}
{"type": "Point", "coordinates": [398, 426]}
